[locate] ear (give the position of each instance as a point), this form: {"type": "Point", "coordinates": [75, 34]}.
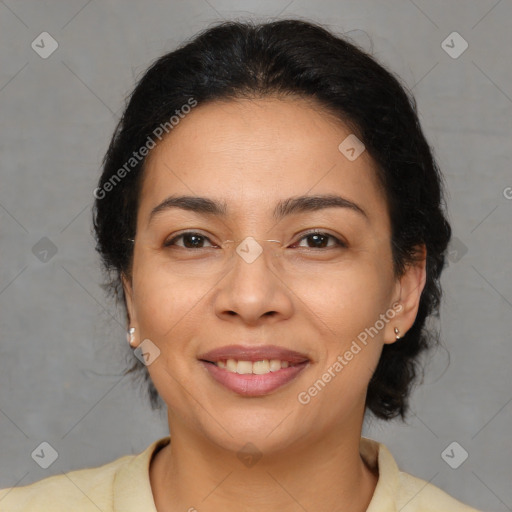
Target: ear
{"type": "Point", "coordinates": [128, 299]}
{"type": "Point", "coordinates": [407, 296]}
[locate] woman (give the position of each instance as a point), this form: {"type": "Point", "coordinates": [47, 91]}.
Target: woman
{"type": "Point", "coordinates": [271, 214]}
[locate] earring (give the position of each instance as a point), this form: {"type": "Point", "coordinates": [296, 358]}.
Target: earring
{"type": "Point", "coordinates": [130, 336]}
{"type": "Point", "coordinates": [397, 332]}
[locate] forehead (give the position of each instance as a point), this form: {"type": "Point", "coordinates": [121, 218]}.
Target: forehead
{"type": "Point", "coordinates": [251, 153]}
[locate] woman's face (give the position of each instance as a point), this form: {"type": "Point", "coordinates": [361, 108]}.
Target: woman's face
{"type": "Point", "coordinates": [328, 302]}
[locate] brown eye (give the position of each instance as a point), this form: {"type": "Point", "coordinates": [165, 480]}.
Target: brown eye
{"type": "Point", "coordinates": [319, 240]}
{"type": "Point", "coordinates": [191, 240]}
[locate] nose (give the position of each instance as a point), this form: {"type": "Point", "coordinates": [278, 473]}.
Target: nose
{"type": "Point", "coordinates": [251, 291]}
{"type": "Point", "coordinates": [250, 248]}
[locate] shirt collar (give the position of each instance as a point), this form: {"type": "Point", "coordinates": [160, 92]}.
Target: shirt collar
{"type": "Point", "coordinates": [377, 456]}
{"type": "Point", "coordinates": [132, 488]}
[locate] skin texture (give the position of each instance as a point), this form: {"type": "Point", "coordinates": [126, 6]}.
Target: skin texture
{"type": "Point", "coordinates": [252, 154]}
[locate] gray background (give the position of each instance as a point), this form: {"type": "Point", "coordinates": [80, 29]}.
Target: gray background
{"type": "Point", "coordinates": [62, 343]}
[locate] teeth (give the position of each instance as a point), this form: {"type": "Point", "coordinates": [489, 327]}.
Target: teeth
{"type": "Point", "coordinates": [260, 367]}
{"type": "Point", "coordinates": [231, 365]}
{"type": "Point", "coordinates": [256, 368]}
{"type": "Point", "coordinates": [244, 367]}
{"type": "Point", "coordinates": [275, 365]}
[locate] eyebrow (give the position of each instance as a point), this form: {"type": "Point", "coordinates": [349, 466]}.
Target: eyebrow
{"type": "Point", "coordinates": [286, 207]}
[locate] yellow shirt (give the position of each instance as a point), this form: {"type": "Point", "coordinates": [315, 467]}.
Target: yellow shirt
{"type": "Point", "coordinates": [123, 486]}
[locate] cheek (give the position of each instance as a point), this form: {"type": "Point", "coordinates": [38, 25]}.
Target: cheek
{"type": "Point", "coordinates": [348, 300]}
{"type": "Point", "coordinates": [348, 319]}
{"type": "Point", "coordinates": [347, 315]}
{"type": "Point", "coordinates": [340, 387]}
{"type": "Point", "coordinates": [168, 313]}
{"type": "Point", "coordinates": [165, 303]}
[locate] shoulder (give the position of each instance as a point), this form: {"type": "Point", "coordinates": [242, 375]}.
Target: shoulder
{"type": "Point", "coordinates": [86, 489]}
{"type": "Point", "coordinates": [397, 490]}
{"type": "Point", "coordinates": [417, 495]}
{"type": "Point", "coordinates": [122, 484]}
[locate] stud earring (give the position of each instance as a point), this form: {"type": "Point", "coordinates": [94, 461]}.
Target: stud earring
{"type": "Point", "coordinates": [130, 336]}
{"type": "Point", "coordinates": [397, 332]}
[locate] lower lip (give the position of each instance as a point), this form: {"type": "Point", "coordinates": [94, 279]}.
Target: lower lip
{"type": "Point", "coordinates": [251, 384]}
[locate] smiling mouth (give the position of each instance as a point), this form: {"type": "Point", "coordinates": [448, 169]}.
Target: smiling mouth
{"type": "Point", "coordinates": [261, 367]}
{"type": "Point", "coordinates": [252, 370]}
{"type": "Point", "coordinates": [257, 384]}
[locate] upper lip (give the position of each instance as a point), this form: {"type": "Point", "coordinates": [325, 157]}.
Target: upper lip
{"type": "Point", "coordinates": [253, 353]}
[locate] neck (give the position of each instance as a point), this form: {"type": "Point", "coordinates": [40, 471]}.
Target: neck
{"type": "Point", "coordinates": [320, 474]}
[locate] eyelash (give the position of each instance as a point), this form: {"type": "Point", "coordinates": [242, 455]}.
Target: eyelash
{"type": "Point", "coordinates": [338, 242]}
